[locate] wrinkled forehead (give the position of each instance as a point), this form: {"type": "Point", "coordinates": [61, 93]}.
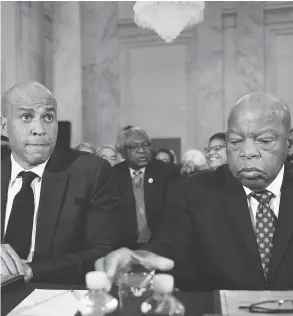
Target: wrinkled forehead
{"type": "Point", "coordinates": [258, 117]}
{"type": "Point", "coordinates": [31, 96]}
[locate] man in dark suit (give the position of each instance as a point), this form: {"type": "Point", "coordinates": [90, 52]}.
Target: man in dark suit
{"type": "Point", "coordinates": [234, 224]}
{"type": "Point", "coordinates": [58, 207]}
{"type": "Point", "coordinates": [142, 184]}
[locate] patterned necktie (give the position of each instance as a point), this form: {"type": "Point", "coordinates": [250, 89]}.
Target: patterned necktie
{"type": "Point", "coordinates": [265, 226]}
{"type": "Point", "coordinates": [19, 229]}
{"type": "Point", "coordinates": [137, 177]}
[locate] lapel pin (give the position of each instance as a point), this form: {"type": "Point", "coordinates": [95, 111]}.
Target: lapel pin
{"type": "Point", "coordinates": [150, 180]}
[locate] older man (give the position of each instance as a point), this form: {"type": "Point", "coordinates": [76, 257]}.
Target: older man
{"type": "Point", "coordinates": [58, 209]}
{"type": "Point", "coordinates": [233, 224]}
{"type": "Point", "coordinates": [142, 184]}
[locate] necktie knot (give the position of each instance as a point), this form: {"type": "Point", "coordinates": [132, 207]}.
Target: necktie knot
{"type": "Point", "coordinates": [137, 173]}
{"type": "Point", "coordinates": [27, 178]}
{"type": "Point", "coordinates": [263, 197]}
{"type": "Point", "coordinates": [137, 177]}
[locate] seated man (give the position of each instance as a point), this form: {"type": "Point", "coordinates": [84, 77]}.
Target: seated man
{"type": "Point", "coordinates": [58, 208]}
{"type": "Point", "coordinates": [234, 224]}
{"type": "Point", "coordinates": [142, 184]}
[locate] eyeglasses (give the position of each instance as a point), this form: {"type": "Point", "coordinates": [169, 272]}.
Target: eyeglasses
{"type": "Point", "coordinates": [215, 148]}
{"type": "Point", "coordinates": [271, 307]}
{"type": "Point", "coordinates": [136, 147]}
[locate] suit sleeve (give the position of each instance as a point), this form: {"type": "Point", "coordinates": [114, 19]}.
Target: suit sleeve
{"type": "Point", "coordinates": [99, 230]}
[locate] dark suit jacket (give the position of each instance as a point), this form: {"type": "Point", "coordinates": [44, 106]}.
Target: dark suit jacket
{"type": "Point", "coordinates": [210, 227]}
{"type": "Point", "coordinates": [76, 217]}
{"type": "Point", "coordinates": [154, 195]}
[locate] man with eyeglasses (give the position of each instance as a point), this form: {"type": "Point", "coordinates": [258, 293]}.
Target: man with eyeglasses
{"type": "Point", "coordinates": [142, 183]}
{"type": "Point", "coordinates": [234, 225]}
{"type": "Point", "coordinates": [216, 151]}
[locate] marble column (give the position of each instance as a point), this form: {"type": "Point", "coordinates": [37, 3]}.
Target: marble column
{"type": "Point", "coordinates": [8, 45]}
{"type": "Point", "coordinates": [22, 38]}
{"type": "Point", "coordinates": [210, 118]}
{"type": "Point", "coordinates": [67, 65]}
{"type": "Point", "coordinates": [100, 71]}
{"type": "Point", "coordinates": [250, 47]}
{"type": "Point", "coordinates": [30, 40]}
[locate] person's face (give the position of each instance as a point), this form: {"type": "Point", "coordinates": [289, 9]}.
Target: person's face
{"type": "Point", "coordinates": [110, 155]}
{"type": "Point", "coordinates": [216, 153]}
{"type": "Point", "coordinates": [32, 131]}
{"type": "Point", "coordinates": [137, 152]}
{"type": "Point", "coordinates": [163, 157]}
{"type": "Point", "coordinates": [257, 146]}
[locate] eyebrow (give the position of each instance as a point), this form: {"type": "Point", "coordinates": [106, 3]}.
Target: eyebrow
{"type": "Point", "coordinates": [48, 109]}
{"type": "Point", "coordinates": [262, 131]}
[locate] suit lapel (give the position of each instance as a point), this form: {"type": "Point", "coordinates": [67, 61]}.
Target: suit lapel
{"type": "Point", "coordinates": [284, 227]}
{"type": "Point", "coordinates": [126, 187]}
{"type": "Point", "coordinates": [54, 185]}
{"type": "Point", "coordinates": [236, 204]}
{"type": "Point", "coordinates": [5, 178]}
{"type": "Point", "coordinates": [149, 181]}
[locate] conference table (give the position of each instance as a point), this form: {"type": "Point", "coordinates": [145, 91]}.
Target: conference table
{"type": "Point", "coordinates": [195, 303]}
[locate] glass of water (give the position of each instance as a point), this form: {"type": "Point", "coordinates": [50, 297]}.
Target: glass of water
{"type": "Point", "coordinates": [134, 285]}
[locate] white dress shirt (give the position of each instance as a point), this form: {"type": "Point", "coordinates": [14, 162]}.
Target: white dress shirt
{"type": "Point", "coordinates": [275, 188]}
{"type": "Point", "coordinates": [14, 187]}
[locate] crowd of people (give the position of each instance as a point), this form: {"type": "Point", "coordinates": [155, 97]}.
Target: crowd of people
{"type": "Point", "coordinates": [219, 220]}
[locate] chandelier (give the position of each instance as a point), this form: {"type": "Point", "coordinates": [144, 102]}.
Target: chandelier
{"type": "Point", "coordinates": [168, 18]}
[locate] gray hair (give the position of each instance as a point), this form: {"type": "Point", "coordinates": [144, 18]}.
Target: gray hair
{"type": "Point", "coordinates": [106, 146]}
{"type": "Point", "coordinates": [274, 106]}
{"type": "Point", "coordinates": [124, 136]}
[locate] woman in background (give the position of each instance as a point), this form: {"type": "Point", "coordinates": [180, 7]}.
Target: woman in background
{"type": "Point", "coordinates": [216, 151]}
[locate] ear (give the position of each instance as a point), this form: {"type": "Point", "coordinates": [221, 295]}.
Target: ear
{"type": "Point", "coordinates": [290, 144]}
{"type": "Point", "coordinates": [4, 126]}
{"type": "Point", "coordinates": [123, 152]}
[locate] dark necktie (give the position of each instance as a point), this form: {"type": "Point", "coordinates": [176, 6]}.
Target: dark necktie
{"type": "Point", "coordinates": [137, 177]}
{"type": "Point", "coordinates": [265, 226]}
{"type": "Point", "coordinates": [19, 229]}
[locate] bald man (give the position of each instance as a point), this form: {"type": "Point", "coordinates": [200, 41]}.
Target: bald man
{"type": "Point", "coordinates": [58, 207]}
{"type": "Point", "coordinates": [233, 225]}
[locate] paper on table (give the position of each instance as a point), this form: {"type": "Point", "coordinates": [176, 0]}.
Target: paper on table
{"type": "Point", "coordinates": [48, 303]}
{"type": "Point", "coordinates": [231, 300]}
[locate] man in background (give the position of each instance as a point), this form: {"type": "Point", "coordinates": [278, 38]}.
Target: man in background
{"type": "Point", "coordinates": [142, 184]}
{"type": "Point", "coordinates": [58, 207]}
{"type": "Point", "coordinates": [233, 225]}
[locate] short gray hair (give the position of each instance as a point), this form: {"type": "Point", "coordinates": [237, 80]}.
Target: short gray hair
{"type": "Point", "coordinates": [124, 136]}
{"type": "Point", "coordinates": [106, 146]}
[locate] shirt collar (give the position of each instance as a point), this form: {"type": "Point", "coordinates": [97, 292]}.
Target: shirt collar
{"type": "Point", "coordinates": [132, 171]}
{"type": "Point", "coordinates": [16, 168]}
{"type": "Point", "coordinates": [274, 187]}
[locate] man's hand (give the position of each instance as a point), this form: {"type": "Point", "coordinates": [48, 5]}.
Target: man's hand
{"type": "Point", "coordinates": [11, 264]}
{"type": "Point", "coordinates": [119, 259]}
